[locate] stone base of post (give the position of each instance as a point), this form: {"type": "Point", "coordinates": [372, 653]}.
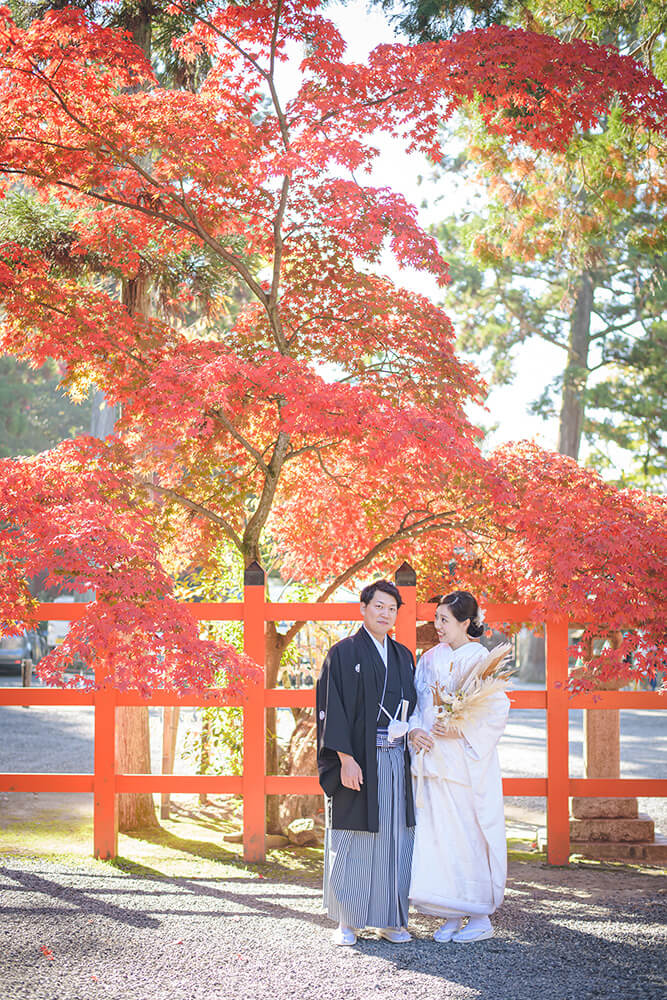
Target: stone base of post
{"type": "Point", "coordinates": [604, 828]}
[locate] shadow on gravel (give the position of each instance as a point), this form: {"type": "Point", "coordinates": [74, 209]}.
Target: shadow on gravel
{"type": "Point", "coordinates": [215, 887]}
{"type": "Point", "coordinates": [561, 933]}
{"type": "Point", "coordinates": [88, 902]}
{"type": "Point", "coordinates": [572, 933]}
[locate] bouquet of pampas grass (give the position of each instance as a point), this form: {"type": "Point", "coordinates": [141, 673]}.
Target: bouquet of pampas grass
{"type": "Point", "coordinates": [469, 703]}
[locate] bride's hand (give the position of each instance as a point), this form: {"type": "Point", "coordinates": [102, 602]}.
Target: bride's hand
{"type": "Point", "coordinates": [420, 739]}
{"type": "Point", "coordinates": [441, 729]}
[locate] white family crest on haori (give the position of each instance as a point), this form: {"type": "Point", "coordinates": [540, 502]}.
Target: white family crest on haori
{"type": "Point", "coordinates": [460, 857]}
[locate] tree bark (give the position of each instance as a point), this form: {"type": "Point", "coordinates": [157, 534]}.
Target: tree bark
{"type": "Point", "coordinates": [576, 370]}
{"type": "Point", "coordinates": [275, 647]}
{"type": "Point", "coordinates": [133, 756]}
{"type": "Point", "coordinates": [205, 750]}
{"type": "Point", "coordinates": [133, 748]}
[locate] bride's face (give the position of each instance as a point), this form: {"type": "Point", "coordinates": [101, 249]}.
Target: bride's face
{"type": "Point", "coordinates": [449, 628]}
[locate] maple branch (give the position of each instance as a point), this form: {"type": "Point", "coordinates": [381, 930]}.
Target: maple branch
{"type": "Point", "coordinates": [229, 426]}
{"type": "Point", "coordinates": [338, 480]}
{"type": "Point", "coordinates": [197, 509]}
{"type": "Point", "coordinates": [419, 528]}
{"type": "Point", "coordinates": [258, 519]}
{"type": "Point", "coordinates": [360, 104]}
{"type": "Point", "coordinates": [222, 251]}
{"type": "Point", "coordinates": [317, 446]}
{"type": "Point", "coordinates": [154, 213]}
{"type": "Point", "coordinates": [122, 350]}
{"type": "Point", "coordinates": [266, 75]}
{"type": "Point", "coordinates": [376, 550]}
{"type": "Point", "coordinates": [272, 302]}
{"type": "Point", "coordinates": [45, 142]}
{"type": "Point", "coordinates": [284, 131]}
{"type": "Point", "coordinates": [272, 306]}
{"type": "Point", "coordinates": [188, 11]}
{"type": "Point", "coordinates": [196, 228]}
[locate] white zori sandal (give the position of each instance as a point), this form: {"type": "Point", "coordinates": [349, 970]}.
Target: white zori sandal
{"type": "Point", "coordinates": [448, 930]}
{"type": "Point", "coordinates": [477, 929]}
{"type": "Point", "coordinates": [344, 935]}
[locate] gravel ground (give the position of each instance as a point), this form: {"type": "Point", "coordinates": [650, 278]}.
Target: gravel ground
{"type": "Point", "coordinates": [74, 929]}
{"type": "Point", "coordinates": [89, 930]}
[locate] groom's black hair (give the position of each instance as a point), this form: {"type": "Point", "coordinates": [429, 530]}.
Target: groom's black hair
{"type": "Point", "coordinates": [385, 586]}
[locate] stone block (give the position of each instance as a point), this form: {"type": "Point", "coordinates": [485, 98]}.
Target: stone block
{"type": "Point", "coordinates": [654, 853]}
{"type": "Point", "coordinates": [637, 830]}
{"type": "Point", "coordinates": [275, 840]}
{"type": "Point", "coordinates": [589, 808]}
{"type": "Point", "coordinates": [302, 831]}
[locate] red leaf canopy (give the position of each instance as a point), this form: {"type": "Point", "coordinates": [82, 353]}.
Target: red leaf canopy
{"type": "Point", "coordinates": [328, 419]}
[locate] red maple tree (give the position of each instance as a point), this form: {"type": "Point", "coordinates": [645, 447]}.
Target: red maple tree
{"type": "Point", "coordinates": [329, 420]}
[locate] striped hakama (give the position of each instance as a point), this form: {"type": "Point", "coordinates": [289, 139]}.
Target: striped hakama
{"type": "Point", "coordinates": [367, 875]}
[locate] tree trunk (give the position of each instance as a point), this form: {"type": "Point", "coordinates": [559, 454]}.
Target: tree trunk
{"type": "Point", "coordinates": [275, 648]}
{"type": "Point", "coordinates": [132, 727]}
{"type": "Point", "coordinates": [103, 417]}
{"type": "Point", "coordinates": [302, 758]}
{"type": "Point", "coordinates": [205, 750]}
{"type": "Point", "coordinates": [532, 657]}
{"type": "Point", "coordinates": [133, 756]}
{"type": "Point", "coordinates": [576, 371]}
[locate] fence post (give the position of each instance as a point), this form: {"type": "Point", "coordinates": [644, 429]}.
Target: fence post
{"type": "Point", "coordinates": [105, 810]}
{"type": "Point", "coordinates": [254, 728]}
{"type": "Point", "coordinates": [26, 674]}
{"type": "Point", "coordinates": [558, 745]}
{"type": "Point", "coordinates": [406, 623]}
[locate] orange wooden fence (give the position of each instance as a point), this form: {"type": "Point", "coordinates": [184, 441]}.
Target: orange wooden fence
{"type": "Point", "coordinates": [254, 784]}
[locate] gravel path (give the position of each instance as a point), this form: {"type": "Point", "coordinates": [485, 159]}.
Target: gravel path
{"type": "Point", "coordinates": [562, 934]}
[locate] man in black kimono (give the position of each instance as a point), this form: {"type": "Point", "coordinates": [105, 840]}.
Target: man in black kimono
{"type": "Point", "coordinates": [364, 695]}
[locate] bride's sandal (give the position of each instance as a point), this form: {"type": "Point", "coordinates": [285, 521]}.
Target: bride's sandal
{"type": "Point", "coordinates": [448, 930]}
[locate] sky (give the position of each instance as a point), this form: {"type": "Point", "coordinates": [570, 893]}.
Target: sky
{"type": "Point", "coordinates": [536, 362]}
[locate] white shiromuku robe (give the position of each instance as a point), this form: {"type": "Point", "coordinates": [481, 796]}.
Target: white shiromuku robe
{"type": "Point", "coordinates": [459, 864]}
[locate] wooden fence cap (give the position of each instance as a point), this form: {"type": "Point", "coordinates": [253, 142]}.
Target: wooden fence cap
{"type": "Point", "coordinates": [405, 576]}
{"type": "Point", "coordinates": [254, 575]}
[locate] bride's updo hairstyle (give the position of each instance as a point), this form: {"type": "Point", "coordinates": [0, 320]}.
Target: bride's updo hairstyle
{"type": "Point", "coordinates": [463, 605]}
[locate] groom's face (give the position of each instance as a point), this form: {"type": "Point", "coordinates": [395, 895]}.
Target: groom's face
{"type": "Point", "coordinates": [379, 614]}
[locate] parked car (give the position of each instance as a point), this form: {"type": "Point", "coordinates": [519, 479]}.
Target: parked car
{"type": "Point", "coordinates": [14, 648]}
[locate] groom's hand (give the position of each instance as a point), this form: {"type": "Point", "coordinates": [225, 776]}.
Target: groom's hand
{"type": "Point", "coordinates": [351, 775]}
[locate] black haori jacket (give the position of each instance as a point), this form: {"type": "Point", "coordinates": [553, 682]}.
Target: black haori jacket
{"type": "Point", "coordinates": [347, 708]}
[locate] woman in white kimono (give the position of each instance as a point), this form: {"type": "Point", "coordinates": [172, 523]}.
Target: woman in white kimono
{"type": "Point", "coordinates": [459, 863]}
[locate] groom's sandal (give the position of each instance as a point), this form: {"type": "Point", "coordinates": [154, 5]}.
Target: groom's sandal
{"type": "Point", "coordinates": [397, 935]}
{"type": "Point", "coordinates": [344, 936]}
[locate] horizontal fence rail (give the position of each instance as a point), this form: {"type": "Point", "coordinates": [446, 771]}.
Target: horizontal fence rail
{"type": "Point", "coordinates": [254, 784]}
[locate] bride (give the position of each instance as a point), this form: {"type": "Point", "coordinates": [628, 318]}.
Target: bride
{"type": "Point", "coordinates": [460, 854]}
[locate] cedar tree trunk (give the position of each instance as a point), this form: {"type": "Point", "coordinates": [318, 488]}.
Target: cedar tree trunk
{"type": "Point", "coordinates": [576, 370]}
{"type": "Point", "coordinates": [133, 755]}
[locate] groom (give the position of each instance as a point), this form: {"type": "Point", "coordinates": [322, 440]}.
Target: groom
{"type": "Point", "coordinates": [364, 695]}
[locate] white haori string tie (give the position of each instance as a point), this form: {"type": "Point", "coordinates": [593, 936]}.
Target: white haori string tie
{"type": "Point", "coordinates": [397, 728]}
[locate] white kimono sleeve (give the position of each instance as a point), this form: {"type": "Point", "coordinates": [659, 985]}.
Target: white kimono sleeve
{"type": "Point", "coordinates": [481, 737]}
{"type": "Point", "coordinates": [420, 718]}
